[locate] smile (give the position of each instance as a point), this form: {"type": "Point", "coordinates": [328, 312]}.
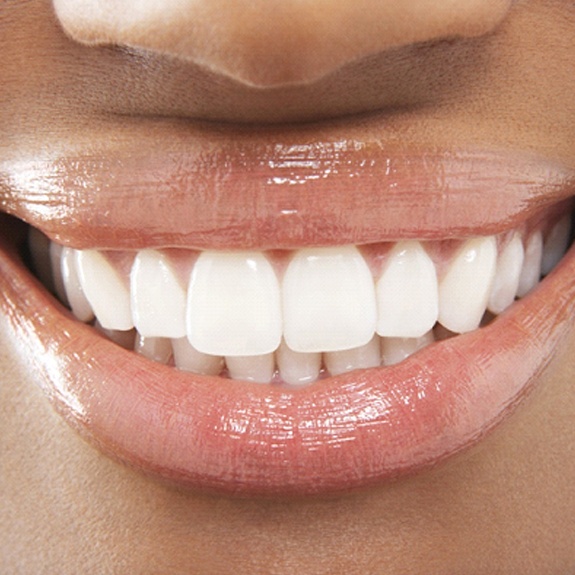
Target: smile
{"type": "Point", "coordinates": [289, 317]}
{"type": "Point", "coordinates": [384, 345]}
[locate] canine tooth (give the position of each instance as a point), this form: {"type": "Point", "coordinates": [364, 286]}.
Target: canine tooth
{"type": "Point", "coordinates": [407, 296]}
{"type": "Point", "coordinates": [297, 368]}
{"type": "Point", "coordinates": [556, 244]}
{"type": "Point", "coordinates": [506, 281]}
{"type": "Point", "coordinates": [188, 358]}
{"type": "Point", "coordinates": [234, 304]}
{"type": "Point", "coordinates": [157, 349]}
{"type": "Point", "coordinates": [328, 300]}
{"type": "Point", "coordinates": [531, 271]}
{"type": "Point", "coordinates": [157, 296]}
{"type": "Point", "coordinates": [79, 304]}
{"type": "Point", "coordinates": [56, 261]}
{"type": "Point", "coordinates": [368, 355]}
{"type": "Point", "coordinates": [396, 349]}
{"type": "Point", "coordinates": [256, 368]}
{"type": "Point", "coordinates": [39, 246]}
{"type": "Point", "coordinates": [464, 291]}
{"type": "Point", "coordinates": [106, 291]}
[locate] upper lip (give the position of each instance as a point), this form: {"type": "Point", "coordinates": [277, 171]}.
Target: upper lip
{"type": "Point", "coordinates": [266, 189]}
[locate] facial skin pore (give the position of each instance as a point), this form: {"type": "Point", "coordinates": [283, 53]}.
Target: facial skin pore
{"type": "Point", "coordinates": [492, 73]}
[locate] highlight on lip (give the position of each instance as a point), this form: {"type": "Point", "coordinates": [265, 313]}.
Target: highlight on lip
{"type": "Point", "coordinates": [293, 317]}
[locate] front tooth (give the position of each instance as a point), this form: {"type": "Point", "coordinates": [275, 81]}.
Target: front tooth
{"type": "Point", "coordinates": [396, 349]}
{"type": "Point", "coordinates": [188, 358]}
{"type": "Point", "coordinates": [368, 355]}
{"type": "Point", "coordinates": [507, 274]}
{"type": "Point", "coordinates": [106, 291]}
{"type": "Point", "coordinates": [56, 261]}
{"type": "Point", "coordinates": [407, 297]}
{"type": "Point", "coordinates": [234, 304]}
{"type": "Point", "coordinates": [556, 244]}
{"type": "Point", "coordinates": [328, 300]}
{"type": "Point", "coordinates": [256, 368]}
{"type": "Point", "coordinates": [531, 271]}
{"type": "Point", "coordinates": [157, 349]}
{"type": "Point", "coordinates": [158, 298]}
{"type": "Point", "coordinates": [79, 304]}
{"type": "Point", "coordinates": [464, 291]}
{"type": "Point", "coordinates": [297, 368]}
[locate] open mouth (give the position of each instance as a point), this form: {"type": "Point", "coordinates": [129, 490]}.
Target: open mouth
{"type": "Point", "coordinates": [292, 317]}
{"type": "Point", "coordinates": [292, 366]}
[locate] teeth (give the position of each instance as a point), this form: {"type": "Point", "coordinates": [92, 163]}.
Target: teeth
{"type": "Point", "coordinates": [328, 300]}
{"type": "Point", "coordinates": [158, 298]}
{"type": "Point", "coordinates": [158, 349]}
{"type": "Point", "coordinates": [77, 299]}
{"type": "Point", "coordinates": [368, 355]}
{"type": "Point", "coordinates": [531, 271]}
{"type": "Point", "coordinates": [556, 244]}
{"type": "Point", "coordinates": [297, 368]}
{"type": "Point", "coordinates": [407, 297]}
{"type": "Point", "coordinates": [233, 319]}
{"type": "Point", "coordinates": [106, 291]}
{"type": "Point", "coordinates": [464, 291]}
{"type": "Point", "coordinates": [234, 305]}
{"type": "Point", "coordinates": [507, 273]}
{"type": "Point", "coordinates": [187, 358]}
{"type": "Point", "coordinates": [256, 368]}
{"type": "Point", "coordinates": [56, 261]}
{"type": "Point", "coordinates": [396, 349]}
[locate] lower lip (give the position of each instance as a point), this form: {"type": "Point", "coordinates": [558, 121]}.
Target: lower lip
{"type": "Point", "coordinates": [239, 438]}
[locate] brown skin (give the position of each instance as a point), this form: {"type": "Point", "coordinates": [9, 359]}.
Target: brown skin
{"type": "Point", "coordinates": [505, 506]}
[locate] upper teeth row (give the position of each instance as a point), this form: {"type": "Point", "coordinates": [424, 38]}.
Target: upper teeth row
{"type": "Point", "coordinates": [327, 299]}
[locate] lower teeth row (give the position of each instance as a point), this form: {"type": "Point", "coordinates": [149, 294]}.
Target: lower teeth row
{"type": "Point", "coordinates": [295, 316]}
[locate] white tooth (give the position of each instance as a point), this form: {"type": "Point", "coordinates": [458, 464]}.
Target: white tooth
{"type": "Point", "coordinates": [531, 271]}
{"type": "Point", "coordinates": [158, 298]}
{"type": "Point", "coordinates": [56, 261]}
{"type": "Point", "coordinates": [407, 297]}
{"type": "Point", "coordinates": [257, 368]}
{"type": "Point", "coordinates": [234, 304]}
{"type": "Point", "coordinates": [106, 291]}
{"type": "Point", "coordinates": [396, 349]}
{"type": "Point", "coordinates": [464, 291]}
{"type": "Point", "coordinates": [368, 355]}
{"type": "Point", "coordinates": [328, 300]}
{"type": "Point", "coordinates": [297, 368]}
{"type": "Point", "coordinates": [158, 349]}
{"type": "Point", "coordinates": [556, 244]}
{"type": "Point", "coordinates": [39, 246]}
{"type": "Point", "coordinates": [77, 299]}
{"type": "Point", "coordinates": [187, 358]}
{"type": "Point", "coordinates": [506, 281]}
{"type": "Point", "coordinates": [125, 339]}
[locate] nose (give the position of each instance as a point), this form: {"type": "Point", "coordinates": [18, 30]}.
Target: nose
{"type": "Point", "coordinates": [270, 43]}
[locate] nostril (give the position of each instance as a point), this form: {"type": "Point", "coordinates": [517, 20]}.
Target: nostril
{"type": "Point", "coordinates": [270, 44]}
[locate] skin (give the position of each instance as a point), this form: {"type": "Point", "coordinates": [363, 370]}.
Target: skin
{"type": "Point", "coordinates": [505, 506]}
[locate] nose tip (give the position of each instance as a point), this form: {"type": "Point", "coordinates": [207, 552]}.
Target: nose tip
{"type": "Point", "coordinates": [269, 44]}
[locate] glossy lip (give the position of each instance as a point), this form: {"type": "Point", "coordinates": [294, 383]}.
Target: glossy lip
{"type": "Point", "coordinates": [344, 432]}
{"type": "Point", "coordinates": [251, 190]}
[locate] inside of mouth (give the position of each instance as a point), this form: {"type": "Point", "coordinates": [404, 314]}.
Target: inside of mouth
{"type": "Point", "coordinates": [291, 318]}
